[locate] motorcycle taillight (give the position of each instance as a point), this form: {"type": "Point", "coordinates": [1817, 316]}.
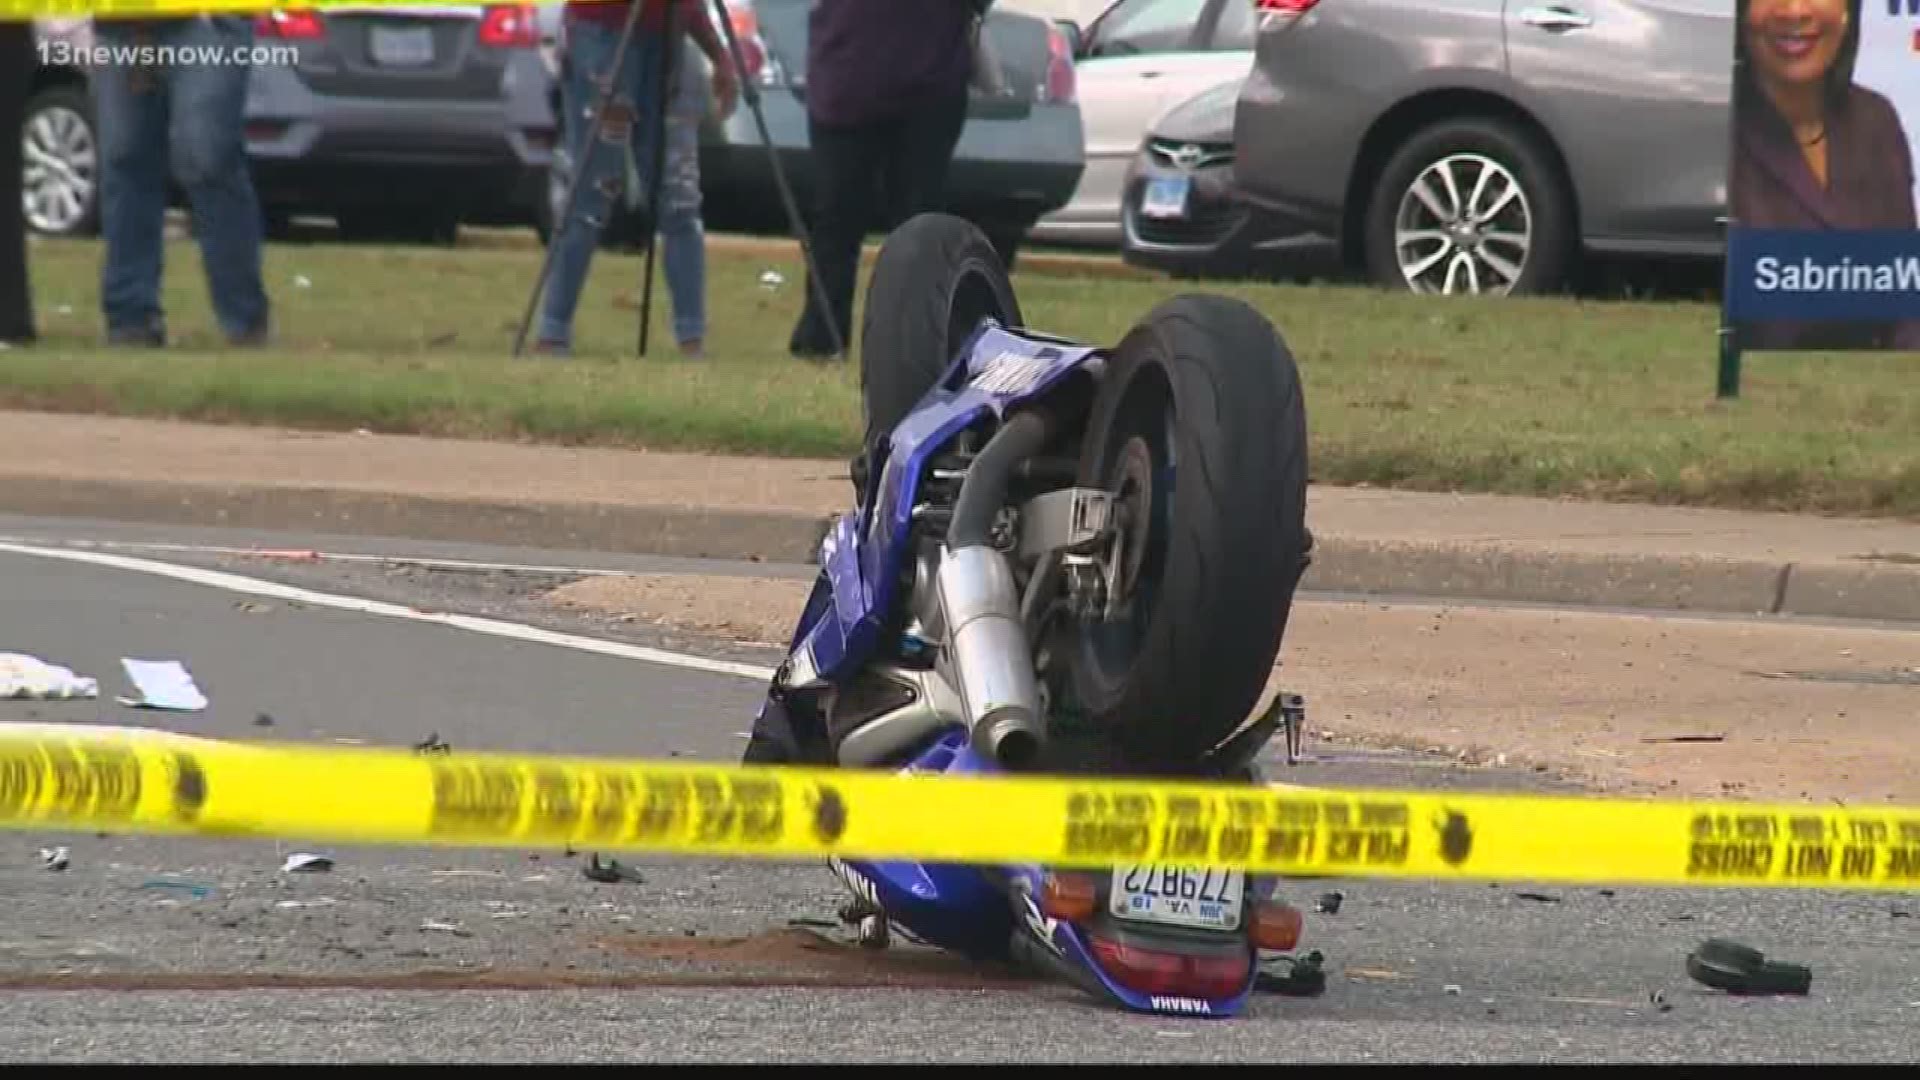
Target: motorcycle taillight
{"type": "Point", "coordinates": [1151, 971]}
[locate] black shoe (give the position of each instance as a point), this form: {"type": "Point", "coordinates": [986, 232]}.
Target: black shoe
{"type": "Point", "coordinates": [144, 337]}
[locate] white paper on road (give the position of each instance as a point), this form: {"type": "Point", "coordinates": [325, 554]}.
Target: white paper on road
{"type": "Point", "coordinates": [23, 676]}
{"type": "Point", "coordinates": [163, 684]}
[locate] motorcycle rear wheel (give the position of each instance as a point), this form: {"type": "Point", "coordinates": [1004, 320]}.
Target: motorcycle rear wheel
{"type": "Point", "coordinates": [1200, 431]}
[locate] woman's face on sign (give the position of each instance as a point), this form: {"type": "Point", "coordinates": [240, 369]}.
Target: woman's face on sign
{"type": "Point", "coordinates": [1795, 41]}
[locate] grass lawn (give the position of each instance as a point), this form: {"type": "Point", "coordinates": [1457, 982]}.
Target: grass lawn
{"type": "Point", "coordinates": [1538, 397]}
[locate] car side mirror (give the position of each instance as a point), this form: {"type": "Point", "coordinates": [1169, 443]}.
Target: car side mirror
{"type": "Point", "coordinates": [1076, 37]}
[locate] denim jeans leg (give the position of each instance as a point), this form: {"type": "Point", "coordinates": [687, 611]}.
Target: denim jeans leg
{"type": "Point", "coordinates": [682, 234]}
{"type": "Point", "coordinates": [210, 161]}
{"type": "Point", "coordinates": [575, 239]}
{"type": "Point", "coordinates": [131, 106]}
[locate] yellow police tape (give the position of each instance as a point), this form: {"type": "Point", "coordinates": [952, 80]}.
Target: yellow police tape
{"type": "Point", "coordinates": [20, 10]}
{"type": "Point", "coordinates": [103, 781]}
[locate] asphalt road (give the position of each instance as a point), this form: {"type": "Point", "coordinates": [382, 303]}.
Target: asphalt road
{"type": "Point", "coordinates": [169, 950]}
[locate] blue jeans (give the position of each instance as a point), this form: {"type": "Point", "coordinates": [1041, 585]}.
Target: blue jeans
{"type": "Point", "coordinates": [192, 118]}
{"type": "Point", "coordinates": [628, 130]}
{"type": "Point", "coordinates": [683, 238]}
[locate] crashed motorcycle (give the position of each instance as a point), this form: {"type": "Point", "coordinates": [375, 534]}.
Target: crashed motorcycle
{"type": "Point", "coordinates": [1064, 559]}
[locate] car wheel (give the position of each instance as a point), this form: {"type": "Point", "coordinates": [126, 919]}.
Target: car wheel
{"type": "Point", "coordinates": [60, 181]}
{"type": "Point", "coordinates": [1470, 205]}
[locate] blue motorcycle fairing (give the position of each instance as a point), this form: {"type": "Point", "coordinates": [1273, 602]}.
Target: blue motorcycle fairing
{"type": "Point", "coordinates": [997, 370]}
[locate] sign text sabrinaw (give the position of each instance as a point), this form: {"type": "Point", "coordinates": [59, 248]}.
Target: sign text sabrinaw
{"type": "Point", "coordinates": [615, 806]}
{"type": "Point", "coordinates": [1287, 830]}
{"type": "Point", "coordinates": [1805, 847]}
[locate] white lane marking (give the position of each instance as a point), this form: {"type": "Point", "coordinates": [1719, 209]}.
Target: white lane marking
{"type": "Point", "coordinates": [519, 632]}
{"type": "Point", "coordinates": [311, 555]}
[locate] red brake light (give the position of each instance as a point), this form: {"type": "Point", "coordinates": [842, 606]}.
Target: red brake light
{"type": "Point", "coordinates": [509, 26]}
{"type": "Point", "coordinates": [289, 24]}
{"type": "Point", "coordinates": [1283, 7]}
{"type": "Point", "coordinates": [1062, 80]}
{"type": "Point", "coordinates": [1148, 971]}
{"type": "Point", "coordinates": [746, 31]}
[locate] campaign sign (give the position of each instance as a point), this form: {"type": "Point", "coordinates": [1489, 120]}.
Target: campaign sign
{"type": "Point", "coordinates": [1824, 250]}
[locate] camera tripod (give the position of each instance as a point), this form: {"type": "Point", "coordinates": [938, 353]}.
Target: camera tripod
{"type": "Point", "coordinates": [749, 95]}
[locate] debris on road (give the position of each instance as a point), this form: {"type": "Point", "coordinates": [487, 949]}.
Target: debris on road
{"type": "Point", "coordinates": [23, 676]}
{"type": "Point", "coordinates": [1376, 973]}
{"type": "Point", "coordinates": [432, 745]}
{"type": "Point", "coordinates": [1686, 739]}
{"type": "Point", "coordinates": [1329, 903]}
{"type": "Point", "coordinates": [1293, 976]}
{"type": "Point", "coordinates": [193, 888]}
{"type": "Point", "coordinates": [1451, 989]}
{"type": "Point", "coordinates": [1538, 898]}
{"type": "Point", "coordinates": [162, 684]}
{"type": "Point", "coordinates": [263, 720]}
{"type": "Point", "coordinates": [303, 862]}
{"type": "Point", "coordinates": [1659, 999]}
{"type": "Point", "coordinates": [610, 872]}
{"type": "Point", "coordinates": [438, 926]}
{"type": "Point", "coordinates": [54, 858]}
{"type": "Point", "coordinates": [318, 901]}
{"type": "Point", "coordinates": [1743, 970]}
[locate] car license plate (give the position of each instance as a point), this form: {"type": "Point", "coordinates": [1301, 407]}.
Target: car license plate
{"type": "Point", "coordinates": [401, 48]}
{"type": "Point", "coordinates": [1181, 896]}
{"type": "Point", "coordinates": [1166, 197]}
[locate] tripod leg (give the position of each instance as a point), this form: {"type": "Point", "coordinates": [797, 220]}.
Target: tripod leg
{"type": "Point", "coordinates": [659, 153]}
{"type": "Point", "coordinates": [750, 94]}
{"type": "Point", "coordinates": [592, 143]}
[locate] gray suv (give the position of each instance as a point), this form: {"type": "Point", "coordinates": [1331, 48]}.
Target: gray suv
{"type": "Point", "coordinates": [1486, 145]}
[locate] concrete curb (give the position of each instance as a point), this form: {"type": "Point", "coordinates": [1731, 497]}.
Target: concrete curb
{"type": "Point", "coordinates": [1484, 572]}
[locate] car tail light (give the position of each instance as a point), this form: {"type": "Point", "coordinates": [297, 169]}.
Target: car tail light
{"type": "Point", "coordinates": [509, 26]}
{"type": "Point", "coordinates": [753, 48]}
{"type": "Point", "coordinates": [1062, 80]}
{"type": "Point", "coordinates": [1284, 7]}
{"type": "Point", "coordinates": [1150, 971]}
{"type": "Point", "coordinates": [289, 25]}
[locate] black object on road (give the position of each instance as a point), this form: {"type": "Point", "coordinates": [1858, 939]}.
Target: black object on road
{"type": "Point", "coordinates": [1741, 969]}
{"type": "Point", "coordinates": [609, 872]}
{"type": "Point", "coordinates": [1294, 976]}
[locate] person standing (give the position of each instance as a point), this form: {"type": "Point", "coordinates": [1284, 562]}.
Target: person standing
{"type": "Point", "coordinates": [178, 98]}
{"type": "Point", "coordinates": [593, 29]}
{"type": "Point", "coordinates": [683, 238]}
{"type": "Point", "coordinates": [17, 62]}
{"type": "Point", "coordinates": [887, 89]}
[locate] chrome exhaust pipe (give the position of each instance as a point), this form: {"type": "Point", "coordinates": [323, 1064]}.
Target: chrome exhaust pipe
{"type": "Point", "coordinates": [987, 641]}
{"type": "Point", "coordinates": [980, 604]}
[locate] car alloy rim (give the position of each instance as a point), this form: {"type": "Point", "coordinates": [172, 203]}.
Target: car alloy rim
{"type": "Point", "coordinates": [58, 181]}
{"type": "Point", "coordinates": [1464, 226]}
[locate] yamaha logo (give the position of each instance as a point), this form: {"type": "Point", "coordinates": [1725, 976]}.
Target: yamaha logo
{"type": "Point", "coordinates": [1190, 1006]}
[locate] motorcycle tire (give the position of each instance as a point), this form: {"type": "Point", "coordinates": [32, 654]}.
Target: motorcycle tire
{"type": "Point", "coordinates": [936, 276]}
{"type": "Point", "coordinates": [1200, 430]}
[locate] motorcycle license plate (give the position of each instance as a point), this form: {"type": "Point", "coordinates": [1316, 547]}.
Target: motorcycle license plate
{"type": "Point", "coordinates": [1166, 197]}
{"type": "Point", "coordinates": [1210, 899]}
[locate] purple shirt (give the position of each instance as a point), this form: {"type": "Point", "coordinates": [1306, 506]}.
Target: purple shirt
{"type": "Point", "coordinates": [872, 59]}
